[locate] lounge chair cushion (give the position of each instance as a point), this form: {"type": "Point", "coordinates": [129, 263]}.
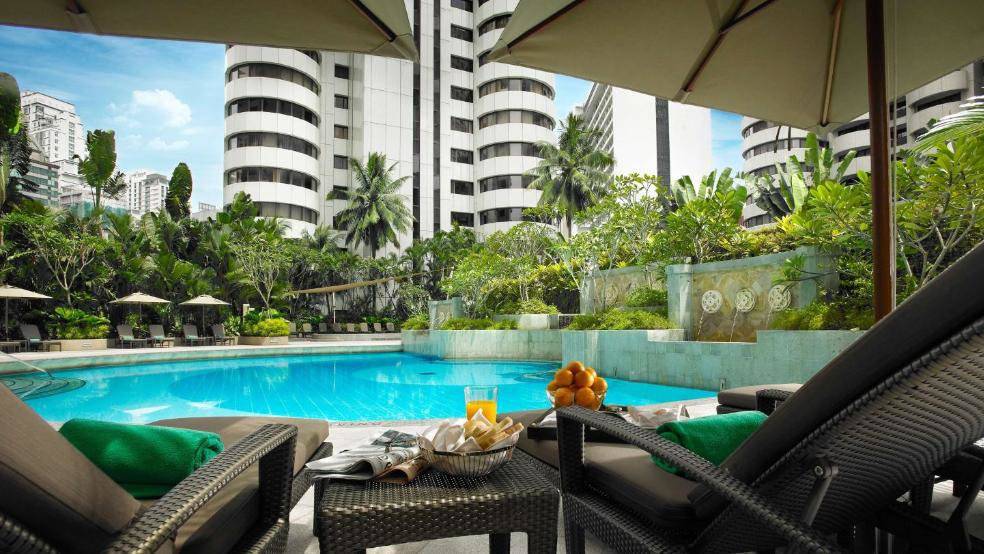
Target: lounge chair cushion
{"type": "Point", "coordinates": [230, 513]}
{"type": "Point", "coordinates": [925, 320]}
{"type": "Point", "coordinates": [51, 488]}
{"type": "Point", "coordinates": [744, 397]}
{"type": "Point", "coordinates": [625, 473]}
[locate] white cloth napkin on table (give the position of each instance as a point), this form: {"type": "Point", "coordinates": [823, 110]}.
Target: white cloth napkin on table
{"type": "Point", "coordinates": [449, 436]}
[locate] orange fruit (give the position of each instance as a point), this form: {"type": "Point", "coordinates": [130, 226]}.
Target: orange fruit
{"type": "Point", "coordinates": [552, 386]}
{"type": "Point", "coordinates": [564, 377]}
{"type": "Point", "coordinates": [600, 386]}
{"type": "Point", "coordinates": [597, 404]}
{"type": "Point", "coordinates": [583, 379]}
{"type": "Point", "coordinates": [574, 367]}
{"type": "Point", "coordinates": [591, 370]}
{"type": "Point", "coordinates": [563, 396]}
{"type": "Point", "coordinates": [585, 397]}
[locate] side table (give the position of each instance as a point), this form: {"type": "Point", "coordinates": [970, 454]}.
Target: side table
{"type": "Point", "coordinates": [356, 515]}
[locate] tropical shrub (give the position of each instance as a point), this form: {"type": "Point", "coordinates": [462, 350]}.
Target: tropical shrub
{"type": "Point", "coordinates": [71, 323]}
{"type": "Point", "coordinates": [645, 297]}
{"type": "Point", "coordinates": [418, 322]}
{"type": "Point", "coordinates": [531, 306]}
{"type": "Point", "coordinates": [616, 320]}
{"type": "Point", "coordinates": [265, 323]}
{"type": "Point", "coordinates": [232, 326]}
{"type": "Point", "coordinates": [818, 315]}
{"type": "Point", "coordinates": [480, 324]}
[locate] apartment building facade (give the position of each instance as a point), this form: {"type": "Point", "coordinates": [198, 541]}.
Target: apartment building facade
{"type": "Point", "coordinates": [461, 129]}
{"type": "Point", "coordinates": [145, 192]}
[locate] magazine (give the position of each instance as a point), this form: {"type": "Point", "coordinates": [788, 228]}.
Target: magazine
{"type": "Point", "coordinates": [391, 457]}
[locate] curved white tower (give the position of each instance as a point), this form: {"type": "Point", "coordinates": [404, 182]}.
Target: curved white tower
{"type": "Point", "coordinates": [763, 145]}
{"type": "Point", "coordinates": [513, 110]}
{"type": "Point", "coordinates": [273, 136]}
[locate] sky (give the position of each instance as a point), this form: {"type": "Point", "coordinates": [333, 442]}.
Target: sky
{"type": "Point", "coordinates": [165, 99]}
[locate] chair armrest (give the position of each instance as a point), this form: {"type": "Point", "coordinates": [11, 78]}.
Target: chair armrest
{"type": "Point", "coordinates": [767, 400]}
{"type": "Point", "coordinates": [271, 445]}
{"type": "Point", "coordinates": [571, 422]}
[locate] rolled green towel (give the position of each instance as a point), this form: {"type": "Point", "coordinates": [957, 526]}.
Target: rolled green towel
{"type": "Point", "coordinates": [713, 438]}
{"type": "Point", "coordinates": [146, 460]}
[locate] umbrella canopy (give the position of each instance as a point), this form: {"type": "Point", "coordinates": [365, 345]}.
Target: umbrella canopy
{"type": "Point", "coordinates": [204, 300]}
{"type": "Point", "coordinates": [797, 63]}
{"type": "Point", "coordinates": [379, 27]}
{"type": "Point", "coordinates": [139, 298]}
{"type": "Point", "coordinates": [10, 292]}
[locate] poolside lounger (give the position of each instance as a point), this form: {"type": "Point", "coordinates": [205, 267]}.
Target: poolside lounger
{"type": "Point", "coordinates": [323, 328]}
{"type": "Point", "coordinates": [336, 328]}
{"type": "Point", "coordinates": [377, 328]}
{"type": "Point", "coordinates": [191, 336]}
{"type": "Point", "coordinates": [833, 459]}
{"type": "Point", "coordinates": [158, 337]}
{"type": "Point", "coordinates": [390, 327]}
{"type": "Point", "coordinates": [306, 330]}
{"type": "Point", "coordinates": [32, 337]}
{"type": "Point", "coordinates": [349, 327]}
{"type": "Point", "coordinates": [292, 329]}
{"type": "Point", "coordinates": [55, 499]}
{"type": "Point", "coordinates": [218, 333]}
{"type": "Point", "coordinates": [363, 327]}
{"type": "Point", "coordinates": [127, 340]}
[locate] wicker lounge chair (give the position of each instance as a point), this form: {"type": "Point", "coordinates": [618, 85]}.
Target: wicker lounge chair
{"type": "Point", "coordinates": [306, 330]}
{"type": "Point", "coordinates": [363, 327]}
{"type": "Point", "coordinates": [377, 328]}
{"type": "Point", "coordinates": [32, 338]}
{"type": "Point", "coordinates": [877, 421]}
{"type": "Point", "coordinates": [390, 328]}
{"type": "Point", "coordinates": [350, 327]}
{"type": "Point", "coordinates": [292, 329]}
{"type": "Point", "coordinates": [323, 328]}
{"type": "Point", "coordinates": [336, 328]}
{"type": "Point", "coordinates": [127, 340]}
{"type": "Point", "coordinates": [192, 337]}
{"type": "Point", "coordinates": [218, 334]}
{"type": "Point", "coordinates": [55, 499]}
{"type": "Point", "coordinates": [158, 337]}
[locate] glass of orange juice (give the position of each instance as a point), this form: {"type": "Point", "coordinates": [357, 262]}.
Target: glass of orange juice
{"type": "Point", "coordinates": [482, 398]}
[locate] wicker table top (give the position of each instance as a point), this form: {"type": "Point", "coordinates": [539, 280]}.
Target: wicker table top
{"type": "Point", "coordinates": [354, 515]}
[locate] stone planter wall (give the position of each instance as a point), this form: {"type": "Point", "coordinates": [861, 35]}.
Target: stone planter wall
{"type": "Point", "coordinates": [76, 345]}
{"type": "Point", "coordinates": [262, 341]}
{"type": "Point", "coordinates": [488, 345]}
{"type": "Point", "coordinates": [661, 357]}
{"type": "Point", "coordinates": [531, 322]}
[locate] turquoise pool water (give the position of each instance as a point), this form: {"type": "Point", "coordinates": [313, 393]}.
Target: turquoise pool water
{"type": "Point", "coordinates": [347, 387]}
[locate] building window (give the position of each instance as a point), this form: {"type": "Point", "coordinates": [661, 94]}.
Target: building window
{"type": "Point", "coordinates": [774, 146]}
{"type": "Point", "coordinates": [463, 219]}
{"type": "Point", "coordinates": [341, 162]}
{"type": "Point", "coordinates": [462, 5]}
{"type": "Point", "coordinates": [286, 211]}
{"type": "Point", "coordinates": [341, 101]}
{"type": "Point", "coordinates": [756, 127]}
{"type": "Point", "coordinates": [462, 33]}
{"type": "Point", "coordinates": [499, 215]}
{"type": "Point", "coordinates": [269, 174]}
{"type": "Point", "coordinates": [273, 71]}
{"type": "Point", "coordinates": [272, 140]}
{"type": "Point", "coordinates": [341, 132]}
{"type": "Point", "coordinates": [499, 182]}
{"type": "Point", "coordinates": [466, 188]}
{"type": "Point", "coordinates": [463, 125]}
{"type": "Point", "coordinates": [463, 94]}
{"type": "Point", "coordinates": [515, 84]}
{"type": "Point", "coordinates": [340, 189]}
{"type": "Point", "coordinates": [491, 24]}
{"type": "Point", "coordinates": [464, 64]}
{"type": "Point", "coordinates": [483, 58]}
{"type": "Point", "coordinates": [462, 156]}
{"type": "Point", "coordinates": [508, 149]}
{"type": "Point", "coordinates": [313, 54]}
{"type": "Point", "coordinates": [341, 71]}
{"type": "Point", "coordinates": [515, 116]}
{"type": "Point", "coordinates": [926, 103]}
{"type": "Point", "coordinates": [271, 105]}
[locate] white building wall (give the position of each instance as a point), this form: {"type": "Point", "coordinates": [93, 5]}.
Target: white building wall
{"type": "Point", "coordinates": [690, 141]}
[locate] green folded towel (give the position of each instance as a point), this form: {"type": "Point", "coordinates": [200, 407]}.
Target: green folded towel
{"type": "Point", "coordinates": [713, 438]}
{"type": "Point", "coordinates": [146, 460]}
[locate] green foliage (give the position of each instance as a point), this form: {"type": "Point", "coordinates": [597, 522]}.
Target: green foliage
{"type": "Point", "coordinates": [376, 210]}
{"type": "Point", "coordinates": [616, 320]}
{"type": "Point", "coordinates": [179, 192]}
{"type": "Point", "coordinates": [98, 168]}
{"type": "Point", "coordinates": [418, 322]}
{"type": "Point", "coordinates": [645, 297]}
{"type": "Point", "coordinates": [966, 123]}
{"type": "Point", "coordinates": [71, 323]}
{"type": "Point", "coordinates": [532, 306]}
{"type": "Point", "coordinates": [684, 192]}
{"type": "Point", "coordinates": [233, 327]}
{"type": "Point", "coordinates": [265, 323]}
{"type": "Point", "coordinates": [819, 315]}
{"type": "Point", "coordinates": [481, 324]}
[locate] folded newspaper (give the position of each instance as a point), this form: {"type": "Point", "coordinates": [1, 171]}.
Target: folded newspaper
{"type": "Point", "coordinates": [391, 457]}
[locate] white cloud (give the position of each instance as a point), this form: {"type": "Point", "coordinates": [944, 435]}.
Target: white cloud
{"type": "Point", "coordinates": [158, 106]}
{"type": "Point", "coordinates": [157, 143]}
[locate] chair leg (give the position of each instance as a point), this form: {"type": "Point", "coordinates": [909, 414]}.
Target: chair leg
{"type": "Point", "coordinates": [573, 535]}
{"type": "Point", "coordinates": [499, 543]}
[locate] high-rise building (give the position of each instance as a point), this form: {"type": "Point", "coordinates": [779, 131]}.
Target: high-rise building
{"type": "Point", "coordinates": [649, 135]}
{"type": "Point", "coordinates": [78, 198]}
{"type": "Point", "coordinates": [204, 212]}
{"type": "Point", "coordinates": [54, 127]}
{"type": "Point", "coordinates": [44, 176]}
{"type": "Point", "coordinates": [462, 129]}
{"type": "Point", "coordinates": [145, 192]}
{"type": "Point", "coordinates": [765, 143]}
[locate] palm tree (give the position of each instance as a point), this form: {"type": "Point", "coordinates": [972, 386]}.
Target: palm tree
{"type": "Point", "coordinates": [969, 121]}
{"type": "Point", "coordinates": [99, 167]}
{"type": "Point", "coordinates": [574, 173]}
{"type": "Point", "coordinates": [376, 210]}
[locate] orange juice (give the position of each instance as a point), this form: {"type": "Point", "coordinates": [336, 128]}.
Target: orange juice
{"type": "Point", "coordinates": [488, 408]}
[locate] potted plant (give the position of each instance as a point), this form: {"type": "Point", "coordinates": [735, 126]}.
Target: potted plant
{"type": "Point", "coordinates": [264, 327]}
{"type": "Point", "coordinates": [530, 315]}
{"type": "Point", "coordinates": [78, 330]}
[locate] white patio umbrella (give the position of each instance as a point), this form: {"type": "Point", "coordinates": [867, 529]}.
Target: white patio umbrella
{"type": "Point", "coordinates": [10, 292]}
{"type": "Point", "coordinates": [139, 299]}
{"type": "Point", "coordinates": [204, 300]}
{"type": "Point", "coordinates": [810, 64]}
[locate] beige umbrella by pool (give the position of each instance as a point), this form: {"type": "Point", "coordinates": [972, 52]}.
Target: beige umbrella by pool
{"type": "Point", "coordinates": [204, 300]}
{"type": "Point", "coordinates": [804, 63]}
{"type": "Point", "coordinates": [378, 27]}
{"type": "Point", "coordinates": [10, 292]}
{"type": "Point", "coordinates": [139, 299]}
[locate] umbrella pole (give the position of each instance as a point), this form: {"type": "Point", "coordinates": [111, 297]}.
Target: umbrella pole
{"type": "Point", "coordinates": [883, 243]}
{"type": "Point", "coordinates": [6, 327]}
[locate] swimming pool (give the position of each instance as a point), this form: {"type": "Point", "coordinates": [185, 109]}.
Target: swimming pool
{"type": "Point", "coordinates": [342, 387]}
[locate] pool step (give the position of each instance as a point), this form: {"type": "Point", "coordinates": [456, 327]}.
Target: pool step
{"type": "Point", "coordinates": [27, 387]}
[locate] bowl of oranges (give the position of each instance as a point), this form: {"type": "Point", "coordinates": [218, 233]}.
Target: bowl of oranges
{"type": "Point", "coordinates": [575, 384]}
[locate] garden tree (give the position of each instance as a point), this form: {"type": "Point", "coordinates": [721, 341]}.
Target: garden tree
{"type": "Point", "coordinates": [683, 191]}
{"type": "Point", "coordinates": [785, 192]}
{"type": "Point", "coordinates": [968, 122]}
{"type": "Point", "coordinates": [262, 261]}
{"type": "Point", "coordinates": [98, 168]}
{"type": "Point", "coordinates": [634, 209]}
{"type": "Point", "coordinates": [177, 200]}
{"type": "Point", "coordinates": [15, 147]}
{"type": "Point", "coordinates": [525, 247]}
{"type": "Point", "coordinates": [573, 175]}
{"type": "Point", "coordinates": [702, 230]}
{"type": "Point", "coordinates": [128, 248]}
{"type": "Point", "coordinates": [471, 277]}
{"type": "Point", "coordinates": [324, 239]}
{"type": "Point", "coordinates": [428, 261]}
{"type": "Point", "coordinates": [63, 246]}
{"type": "Point", "coordinates": [376, 210]}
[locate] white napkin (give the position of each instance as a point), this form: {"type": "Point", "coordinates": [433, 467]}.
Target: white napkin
{"type": "Point", "coordinates": [655, 417]}
{"type": "Point", "coordinates": [449, 436]}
